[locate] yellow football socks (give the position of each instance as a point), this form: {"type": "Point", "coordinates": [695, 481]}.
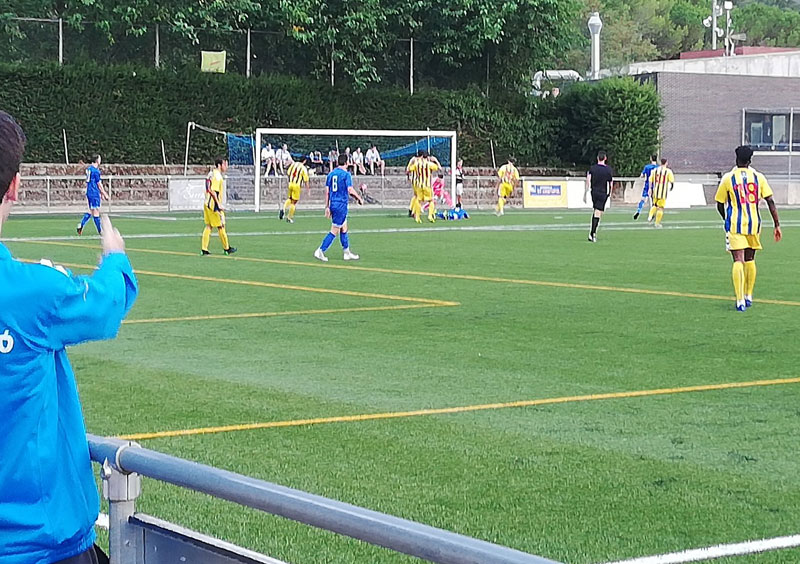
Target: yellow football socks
{"type": "Point", "coordinates": [738, 280]}
{"type": "Point", "coordinates": [501, 202]}
{"type": "Point", "coordinates": [287, 204]}
{"type": "Point", "coordinates": [417, 208]}
{"type": "Point", "coordinates": [653, 211]}
{"type": "Point", "coordinates": [292, 208]}
{"type": "Point", "coordinates": [659, 216]}
{"type": "Point", "coordinates": [749, 278]}
{"type": "Point", "coordinates": [432, 212]}
{"type": "Point", "coordinates": [223, 237]}
{"type": "Point", "coordinates": [206, 237]}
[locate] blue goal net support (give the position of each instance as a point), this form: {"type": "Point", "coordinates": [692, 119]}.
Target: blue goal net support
{"type": "Point", "coordinates": [240, 149]}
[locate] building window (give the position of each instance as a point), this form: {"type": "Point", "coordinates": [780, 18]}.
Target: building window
{"type": "Point", "coordinates": [766, 130]}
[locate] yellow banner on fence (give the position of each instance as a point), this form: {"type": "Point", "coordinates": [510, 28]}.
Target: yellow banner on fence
{"type": "Point", "coordinates": [544, 194]}
{"type": "Point", "coordinates": [213, 61]}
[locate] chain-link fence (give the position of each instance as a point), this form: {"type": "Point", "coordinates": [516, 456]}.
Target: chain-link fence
{"type": "Point", "coordinates": [407, 63]}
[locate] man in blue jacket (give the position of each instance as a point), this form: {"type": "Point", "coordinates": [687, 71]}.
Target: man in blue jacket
{"type": "Point", "coordinates": [48, 496]}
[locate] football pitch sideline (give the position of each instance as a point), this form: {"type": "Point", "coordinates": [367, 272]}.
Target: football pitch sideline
{"type": "Point", "coordinates": [498, 377]}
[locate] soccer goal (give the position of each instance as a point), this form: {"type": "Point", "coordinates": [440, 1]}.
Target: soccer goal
{"type": "Point", "coordinates": [378, 159]}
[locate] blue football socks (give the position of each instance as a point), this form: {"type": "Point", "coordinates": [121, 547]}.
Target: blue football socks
{"type": "Point", "coordinates": [327, 241]}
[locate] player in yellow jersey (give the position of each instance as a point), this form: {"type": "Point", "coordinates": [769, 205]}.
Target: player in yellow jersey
{"type": "Point", "coordinates": [298, 177]}
{"type": "Point", "coordinates": [213, 212]}
{"type": "Point", "coordinates": [662, 181]}
{"type": "Point", "coordinates": [412, 177]}
{"type": "Point", "coordinates": [422, 169]}
{"type": "Point", "coordinates": [509, 178]}
{"type": "Point", "coordinates": [737, 199]}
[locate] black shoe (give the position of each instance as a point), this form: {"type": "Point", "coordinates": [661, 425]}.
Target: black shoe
{"type": "Point", "coordinates": [280, 214]}
{"type": "Point", "coordinates": [636, 215]}
{"type": "Point", "coordinates": [230, 250]}
{"type": "Point", "coordinates": [410, 213]}
{"type": "Point", "coordinates": [203, 252]}
{"type": "Point", "coordinates": [79, 230]}
{"type": "Point", "coordinates": [593, 238]}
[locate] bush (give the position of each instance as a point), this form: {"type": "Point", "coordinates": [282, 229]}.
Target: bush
{"type": "Point", "coordinates": [124, 112]}
{"type": "Point", "coordinates": [618, 115]}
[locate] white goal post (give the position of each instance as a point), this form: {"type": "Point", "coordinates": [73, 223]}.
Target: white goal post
{"type": "Point", "coordinates": [335, 134]}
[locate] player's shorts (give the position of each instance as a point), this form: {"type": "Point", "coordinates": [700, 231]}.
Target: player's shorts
{"type": "Point", "coordinates": [506, 189]}
{"type": "Point", "coordinates": [427, 194]}
{"type": "Point", "coordinates": [418, 192]}
{"type": "Point", "coordinates": [599, 200]}
{"type": "Point", "coordinates": [213, 218]}
{"type": "Point", "coordinates": [94, 201]}
{"type": "Point", "coordinates": [459, 188]}
{"type": "Point", "coordinates": [338, 215]}
{"type": "Point", "coordinates": [659, 202]}
{"type": "Point", "coordinates": [738, 242]}
{"type": "Point", "coordinates": [294, 191]}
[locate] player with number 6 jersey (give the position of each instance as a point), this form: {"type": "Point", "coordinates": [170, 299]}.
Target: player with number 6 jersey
{"type": "Point", "coordinates": [339, 186]}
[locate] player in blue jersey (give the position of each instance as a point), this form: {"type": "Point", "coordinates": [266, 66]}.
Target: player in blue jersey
{"type": "Point", "coordinates": [340, 187]}
{"type": "Point", "coordinates": [453, 214]}
{"type": "Point", "coordinates": [648, 168]}
{"type": "Point", "coordinates": [94, 190]}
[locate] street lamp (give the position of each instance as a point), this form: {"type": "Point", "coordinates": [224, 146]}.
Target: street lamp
{"type": "Point", "coordinates": [595, 25]}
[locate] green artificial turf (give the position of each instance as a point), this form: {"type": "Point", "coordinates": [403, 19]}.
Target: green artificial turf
{"type": "Point", "coordinates": [579, 482]}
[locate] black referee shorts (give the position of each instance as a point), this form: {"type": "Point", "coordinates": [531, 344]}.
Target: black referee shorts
{"type": "Point", "coordinates": [599, 200]}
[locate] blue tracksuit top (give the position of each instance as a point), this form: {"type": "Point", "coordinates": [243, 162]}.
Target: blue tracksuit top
{"type": "Point", "coordinates": [48, 496]}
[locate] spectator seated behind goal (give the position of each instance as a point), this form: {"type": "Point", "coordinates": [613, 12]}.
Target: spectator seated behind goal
{"type": "Point", "coordinates": [374, 158]}
{"type": "Point", "coordinates": [317, 165]}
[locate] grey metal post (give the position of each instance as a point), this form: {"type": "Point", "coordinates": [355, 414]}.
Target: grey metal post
{"type": "Point", "coordinates": [158, 48]}
{"type": "Point", "coordinates": [60, 41]}
{"type": "Point", "coordinates": [249, 56]}
{"type": "Point", "coordinates": [333, 67]}
{"type": "Point", "coordinates": [714, 25]}
{"type": "Point", "coordinates": [125, 542]}
{"type": "Point", "coordinates": [595, 25]}
{"type": "Point", "coordinates": [411, 65]}
{"type": "Point", "coordinates": [47, 182]}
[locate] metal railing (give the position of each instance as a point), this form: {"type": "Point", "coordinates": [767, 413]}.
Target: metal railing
{"type": "Point", "coordinates": [132, 536]}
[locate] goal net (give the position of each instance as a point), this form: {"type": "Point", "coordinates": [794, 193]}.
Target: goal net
{"type": "Point", "coordinates": [378, 160]}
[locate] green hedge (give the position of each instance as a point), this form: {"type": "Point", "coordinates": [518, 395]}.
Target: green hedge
{"type": "Point", "coordinates": [618, 115]}
{"type": "Point", "coordinates": [124, 112]}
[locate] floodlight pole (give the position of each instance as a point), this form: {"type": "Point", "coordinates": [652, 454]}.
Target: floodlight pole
{"type": "Point", "coordinates": [714, 25]}
{"type": "Point", "coordinates": [595, 26]}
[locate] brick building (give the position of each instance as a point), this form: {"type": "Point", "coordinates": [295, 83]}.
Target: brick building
{"type": "Point", "coordinates": [711, 105]}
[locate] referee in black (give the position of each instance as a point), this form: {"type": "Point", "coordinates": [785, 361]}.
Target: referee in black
{"type": "Point", "coordinates": [599, 180]}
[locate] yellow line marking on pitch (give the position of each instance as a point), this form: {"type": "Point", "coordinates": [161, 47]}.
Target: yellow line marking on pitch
{"type": "Point", "coordinates": [451, 410]}
{"type": "Point", "coordinates": [260, 284]}
{"type": "Point", "coordinates": [450, 276]}
{"type": "Point", "coordinates": [276, 314]}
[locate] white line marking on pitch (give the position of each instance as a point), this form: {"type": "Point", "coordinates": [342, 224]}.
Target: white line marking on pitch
{"type": "Point", "coordinates": [718, 551]}
{"type": "Point", "coordinates": [474, 228]}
